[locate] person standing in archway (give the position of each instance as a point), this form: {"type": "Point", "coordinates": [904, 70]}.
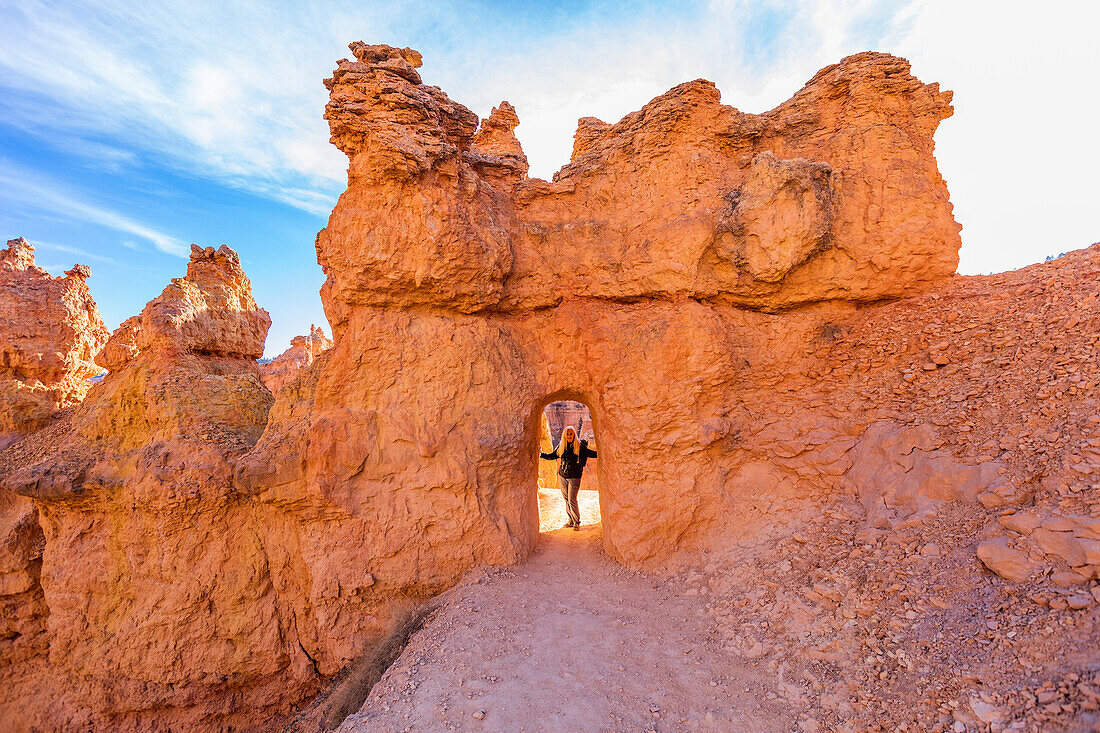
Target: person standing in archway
{"type": "Point", "coordinates": [571, 455]}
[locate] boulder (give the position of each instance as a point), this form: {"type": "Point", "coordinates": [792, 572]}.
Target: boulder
{"type": "Point", "coordinates": [1009, 563]}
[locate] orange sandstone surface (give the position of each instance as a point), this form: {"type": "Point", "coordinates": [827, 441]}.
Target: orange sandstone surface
{"type": "Point", "coordinates": [50, 331]}
{"type": "Point", "coordinates": [158, 590]}
{"type": "Point", "coordinates": [881, 480]}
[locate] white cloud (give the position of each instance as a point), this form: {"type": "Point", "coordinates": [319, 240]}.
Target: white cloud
{"type": "Point", "coordinates": [40, 245]}
{"type": "Point", "coordinates": [226, 92]}
{"type": "Point", "coordinates": [1020, 153]}
{"type": "Point", "coordinates": [232, 91]}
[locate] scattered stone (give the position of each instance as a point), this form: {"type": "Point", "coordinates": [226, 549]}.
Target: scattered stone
{"type": "Point", "coordinates": [1010, 564]}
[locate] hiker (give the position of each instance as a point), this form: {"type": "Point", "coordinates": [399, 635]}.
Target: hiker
{"type": "Point", "coordinates": [571, 455]}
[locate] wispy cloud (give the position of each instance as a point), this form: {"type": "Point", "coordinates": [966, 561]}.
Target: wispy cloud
{"type": "Point", "coordinates": [31, 189]}
{"type": "Point", "coordinates": [40, 245]}
{"type": "Point", "coordinates": [231, 91]}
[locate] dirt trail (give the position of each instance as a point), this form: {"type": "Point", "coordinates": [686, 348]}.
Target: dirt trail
{"type": "Point", "coordinates": [568, 641]}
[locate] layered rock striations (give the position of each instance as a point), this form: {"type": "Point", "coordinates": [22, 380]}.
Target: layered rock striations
{"type": "Point", "coordinates": [158, 578]}
{"type": "Point", "coordinates": [303, 351]}
{"type": "Point", "coordinates": [49, 337]}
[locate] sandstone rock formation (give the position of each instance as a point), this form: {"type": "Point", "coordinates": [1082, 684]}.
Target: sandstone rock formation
{"type": "Point", "coordinates": [303, 350]}
{"type": "Point", "coordinates": [760, 312]}
{"type": "Point", "coordinates": [49, 336]}
{"type": "Point", "coordinates": [464, 297]}
{"type": "Point", "coordinates": [162, 609]}
{"type": "Point", "coordinates": [568, 412]}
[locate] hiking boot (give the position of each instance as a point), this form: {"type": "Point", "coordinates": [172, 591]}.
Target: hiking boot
{"type": "Point", "coordinates": [567, 525]}
{"type": "Point", "coordinates": [576, 527]}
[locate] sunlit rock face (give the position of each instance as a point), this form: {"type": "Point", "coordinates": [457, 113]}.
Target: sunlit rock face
{"type": "Point", "coordinates": [50, 331]}
{"type": "Point", "coordinates": [160, 592]}
{"type": "Point", "coordinates": [50, 334]}
{"type": "Point", "coordinates": [654, 278]}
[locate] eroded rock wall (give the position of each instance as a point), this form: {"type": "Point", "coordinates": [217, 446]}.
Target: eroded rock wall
{"type": "Point", "coordinates": [650, 278]}
{"type": "Point", "coordinates": [50, 332]}
{"type": "Point", "coordinates": [157, 577]}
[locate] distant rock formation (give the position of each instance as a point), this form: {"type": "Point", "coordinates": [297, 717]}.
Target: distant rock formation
{"type": "Point", "coordinates": [303, 351]}
{"type": "Point", "coordinates": [569, 412]}
{"type": "Point", "coordinates": [50, 334]}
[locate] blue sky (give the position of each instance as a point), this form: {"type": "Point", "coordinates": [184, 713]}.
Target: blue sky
{"type": "Point", "coordinates": [128, 131]}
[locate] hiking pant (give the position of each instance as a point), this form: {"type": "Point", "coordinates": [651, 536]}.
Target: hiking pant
{"type": "Point", "coordinates": [569, 488]}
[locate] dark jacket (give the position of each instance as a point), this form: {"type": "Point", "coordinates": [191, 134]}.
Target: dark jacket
{"type": "Point", "coordinates": [570, 464]}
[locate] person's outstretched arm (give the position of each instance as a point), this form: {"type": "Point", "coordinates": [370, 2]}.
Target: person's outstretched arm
{"type": "Point", "coordinates": [548, 456]}
{"type": "Point", "coordinates": [589, 452]}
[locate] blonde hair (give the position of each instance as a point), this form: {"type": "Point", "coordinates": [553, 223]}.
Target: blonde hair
{"type": "Point", "coordinates": [561, 443]}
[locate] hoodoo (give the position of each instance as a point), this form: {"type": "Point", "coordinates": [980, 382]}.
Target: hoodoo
{"type": "Point", "coordinates": [161, 606]}
{"type": "Point", "coordinates": [49, 336]}
{"type": "Point", "coordinates": [789, 386]}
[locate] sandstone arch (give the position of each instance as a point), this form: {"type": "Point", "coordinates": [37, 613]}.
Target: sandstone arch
{"type": "Point", "coordinates": [684, 254]}
{"type": "Point", "coordinates": [760, 310]}
{"type": "Point", "coordinates": [536, 429]}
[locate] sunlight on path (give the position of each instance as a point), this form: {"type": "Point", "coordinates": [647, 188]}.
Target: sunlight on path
{"type": "Point", "coordinates": [552, 508]}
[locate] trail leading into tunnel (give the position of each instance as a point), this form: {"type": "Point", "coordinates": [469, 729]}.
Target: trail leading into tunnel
{"type": "Point", "coordinates": [568, 641]}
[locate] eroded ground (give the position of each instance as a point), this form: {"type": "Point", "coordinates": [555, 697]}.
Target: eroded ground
{"type": "Point", "coordinates": [815, 624]}
{"type": "Point", "coordinates": [570, 641]}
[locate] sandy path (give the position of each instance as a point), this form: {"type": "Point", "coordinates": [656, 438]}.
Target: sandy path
{"type": "Point", "coordinates": [569, 641]}
{"type": "Point", "coordinates": [552, 508]}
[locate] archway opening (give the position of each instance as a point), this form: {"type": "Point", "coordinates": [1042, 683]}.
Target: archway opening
{"type": "Point", "coordinates": [552, 486]}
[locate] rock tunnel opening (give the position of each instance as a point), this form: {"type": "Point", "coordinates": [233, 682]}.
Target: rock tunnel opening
{"type": "Point", "coordinates": [554, 419]}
